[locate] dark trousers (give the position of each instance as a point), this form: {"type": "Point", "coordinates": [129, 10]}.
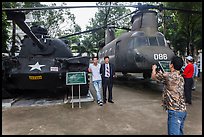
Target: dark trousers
{"type": "Point", "coordinates": [107, 82]}
{"type": "Point", "coordinates": [188, 89]}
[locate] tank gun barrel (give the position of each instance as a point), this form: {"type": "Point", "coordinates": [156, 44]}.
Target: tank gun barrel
{"type": "Point", "coordinates": [19, 18]}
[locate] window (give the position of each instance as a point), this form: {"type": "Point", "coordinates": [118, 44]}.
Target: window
{"type": "Point", "coordinates": [140, 41]}
{"type": "Point", "coordinates": [131, 44]}
{"type": "Point", "coordinates": [153, 41]}
{"type": "Point", "coordinates": [161, 41]}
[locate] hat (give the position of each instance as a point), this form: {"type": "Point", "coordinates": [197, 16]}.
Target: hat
{"type": "Point", "coordinates": [189, 58]}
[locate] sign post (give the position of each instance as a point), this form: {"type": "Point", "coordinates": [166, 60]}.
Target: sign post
{"type": "Point", "coordinates": [75, 78]}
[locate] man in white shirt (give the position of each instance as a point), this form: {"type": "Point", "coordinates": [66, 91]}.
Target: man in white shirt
{"type": "Point", "coordinates": [96, 79]}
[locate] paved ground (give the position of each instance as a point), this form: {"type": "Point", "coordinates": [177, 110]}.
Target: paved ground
{"type": "Point", "coordinates": [136, 111]}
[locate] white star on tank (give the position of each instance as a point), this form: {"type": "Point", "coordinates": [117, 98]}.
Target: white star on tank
{"type": "Point", "coordinates": [36, 66]}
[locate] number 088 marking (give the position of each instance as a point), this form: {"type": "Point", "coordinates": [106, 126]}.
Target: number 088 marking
{"type": "Point", "coordinates": [160, 57]}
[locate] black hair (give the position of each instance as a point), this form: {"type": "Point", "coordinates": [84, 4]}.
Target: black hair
{"type": "Point", "coordinates": [177, 62]}
{"type": "Point", "coordinates": [106, 57]}
{"type": "Point", "coordinates": [94, 57]}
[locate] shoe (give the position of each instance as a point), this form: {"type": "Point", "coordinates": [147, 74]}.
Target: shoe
{"type": "Point", "coordinates": [110, 101]}
{"type": "Point", "coordinates": [104, 102]}
{"type": "Point", "coordinates": [100, 104]}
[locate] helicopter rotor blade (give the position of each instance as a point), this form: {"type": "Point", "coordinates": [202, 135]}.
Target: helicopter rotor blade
{"type": "Point", "coordinates": [139, 6]}
{"type": "Point", "coordinates": [183, 10]}
{"type": "Point", "coordinates": [96, 29]}
{"type": "Point", "coordinates": [92, 30]}
{"type": "Point", "coordinates": [63, 7]}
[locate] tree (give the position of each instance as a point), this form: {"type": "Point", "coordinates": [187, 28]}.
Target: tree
{"type": "Point", "coordinates": [52, 19]}
{"type": "Point", "coordinates": [103, 17]}
{"type": "Point", "coordinates": [49, 19]}
{"type": "Point", "coordinates": [6, 25]}
{"type": "Point", "coordinates": [5, 36]}
{"type": "Point", "coordinates": [185, 29]}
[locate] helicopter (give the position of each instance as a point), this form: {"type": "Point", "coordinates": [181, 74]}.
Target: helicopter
{"type": "Point", "coordinates": [137, 50]}
{"type": "Point", "coordinates": [132, 52]}
{"type": "Point", "coordinates": [143, 45]}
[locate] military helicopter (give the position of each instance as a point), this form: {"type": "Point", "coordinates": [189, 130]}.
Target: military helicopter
{"type": "Point", "coordinates": [132, 52]}
{"type": "Point", "coordinates": [135, 51]}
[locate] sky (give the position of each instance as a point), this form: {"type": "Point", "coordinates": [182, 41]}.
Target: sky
{"type": "Point", "coordinates": [83, 15]}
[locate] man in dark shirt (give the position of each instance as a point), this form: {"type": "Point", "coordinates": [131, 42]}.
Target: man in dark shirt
{"type": "Point", "coordinates": [107, 72]}
{"type": "Point", "coordinates": [173, 99]}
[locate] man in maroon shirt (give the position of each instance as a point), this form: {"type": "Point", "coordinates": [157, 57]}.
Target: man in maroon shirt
{"type": "Point", "coordinates": [188, 79]}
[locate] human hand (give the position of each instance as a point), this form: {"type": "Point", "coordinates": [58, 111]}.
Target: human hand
{"type": "Point", "coordinates": [89, 70]}
{"type": "Point", "coordinates": [154, 67]}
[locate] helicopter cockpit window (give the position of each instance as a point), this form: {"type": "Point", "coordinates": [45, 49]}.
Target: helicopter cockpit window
{"type": "Point", "coordinates": [153, 41]}
{"type": "Point", "coordinates": [161, 40]}
{"type": "Point", "coordinates": [140, 41]}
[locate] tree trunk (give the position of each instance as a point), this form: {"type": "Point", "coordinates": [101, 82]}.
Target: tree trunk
{"type": "Point", "coordinates": [13, 39]}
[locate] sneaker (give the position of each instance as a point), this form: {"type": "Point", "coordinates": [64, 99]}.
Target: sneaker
{"type": "Point", "coordinates": [100, 104]}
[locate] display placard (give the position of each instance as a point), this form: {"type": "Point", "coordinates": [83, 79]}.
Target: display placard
{"type": "Point", "coordinates": [75, 78]}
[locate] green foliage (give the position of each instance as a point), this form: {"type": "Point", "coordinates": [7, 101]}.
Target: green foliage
{"type": "Point", "coordinates": [5, 36]}
{"type": "Point", "coordinates": [102, 17]}
{"type": "Point", "coordinates": [119, 32]}
{"type": "Point", "coordinates": [184, 30]}
{"type": "Point", "coordinates": [49, 19]}
{"type": "Point", "coordinates": [52, 19]}
{"type": "Point", "coordinates": [6, 25]}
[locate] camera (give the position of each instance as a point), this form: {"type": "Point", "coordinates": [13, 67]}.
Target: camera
{"type": "Point", "coordinates": [158, 68]}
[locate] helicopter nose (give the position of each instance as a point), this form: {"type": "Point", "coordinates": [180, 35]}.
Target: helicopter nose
{"type": "Point", "coordinates": [155, 54]}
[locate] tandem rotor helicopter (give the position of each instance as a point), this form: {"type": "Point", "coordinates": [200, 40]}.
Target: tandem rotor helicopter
{"type": "Point", "coordinates": [43, 61]}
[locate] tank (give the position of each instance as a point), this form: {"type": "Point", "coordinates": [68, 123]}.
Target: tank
{"type": "Point", "coordinates": [42, 63]}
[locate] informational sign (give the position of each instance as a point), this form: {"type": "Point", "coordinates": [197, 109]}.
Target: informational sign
{"type": "Point", "coordinates": [165, 65]}
{"type": "Point", "coordinates": [54, 69]}
{"type": "Point", "coordinates": [75, 78]}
